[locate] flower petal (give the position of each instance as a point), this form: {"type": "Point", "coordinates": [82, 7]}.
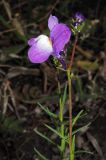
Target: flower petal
{"type": "Point", "coordinates": [52, 21]}
{"type": "Point", "coordinates": [41, 50]}
{"type": "Point", "coordinates": [32, 41]}
{"type": "Point", "coordinates": [60, 35]}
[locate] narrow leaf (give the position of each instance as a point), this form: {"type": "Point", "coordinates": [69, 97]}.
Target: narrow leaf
{"type": "Point", "coordinates": [64, 95]}
{"type": "Point", "coordinates": [40, 155]}
{"type": "Point", "coordinates": [82, 129]}
{"type": "Point", "coordinates": [47, 111]}
{"type": "Point", "coordinates": [55, 131]}
{"type": "Point", "coordinates": [43, 136]}
{"type": "Point", "coordinates": [77, 117]}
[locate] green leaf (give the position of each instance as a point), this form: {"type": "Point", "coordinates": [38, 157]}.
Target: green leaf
{"type": "Point", "coordinates": [81, 129]}
{"type": "Point", "coordinates": [77, 117]}
{"type": "Point", "coordinates": [40, 155]}
{"type": "Point", "coordinates": [47, 111]}
{"type": "Point", "coordinates": [55, 131]}
{"type": "Point", "coordinates": [64, 95]}
{"type": "Point", "coordinates": [44, 137]}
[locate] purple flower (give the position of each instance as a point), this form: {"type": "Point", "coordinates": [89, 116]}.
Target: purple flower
{"type": "Point", "coordinates": [43, 46]}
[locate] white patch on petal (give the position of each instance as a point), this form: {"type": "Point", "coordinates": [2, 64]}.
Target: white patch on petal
{"type": "Point", "coordinates": [45, 43]}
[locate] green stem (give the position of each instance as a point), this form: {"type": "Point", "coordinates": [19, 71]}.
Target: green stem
{"type": "Point", "coordinates": [62, 146]}
{"type": "Point", "coordinates": [70, 112]}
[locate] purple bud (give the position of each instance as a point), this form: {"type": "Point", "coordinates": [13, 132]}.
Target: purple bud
{"type": "Point", "coordinates": [79, 18]}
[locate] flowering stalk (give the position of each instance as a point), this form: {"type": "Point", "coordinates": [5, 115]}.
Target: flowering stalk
{"type": "Point", "coordinates": [78, 23]}
{"type": "Point", "coordinates": [70, 97]}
